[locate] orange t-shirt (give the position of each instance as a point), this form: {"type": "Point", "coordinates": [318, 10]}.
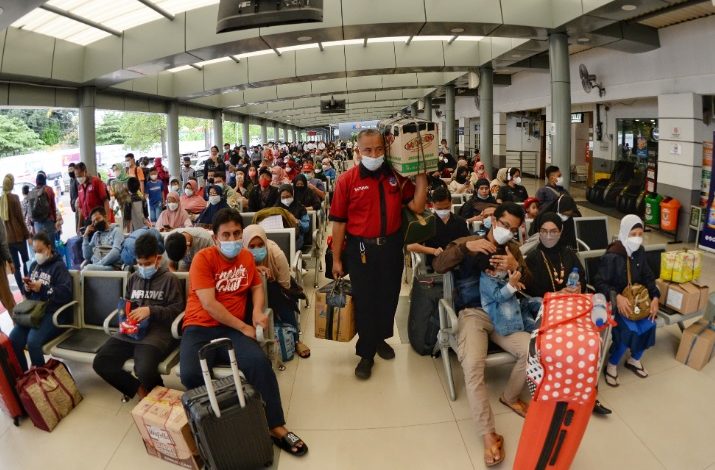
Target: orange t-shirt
{"type": "Point", "coordinates": [232, 281]}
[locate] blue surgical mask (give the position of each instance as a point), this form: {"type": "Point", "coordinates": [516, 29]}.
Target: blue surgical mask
{"type": "Point", "coordinates": [259, 254]}
{"type": "Point", "coordinates": [487, 224]}
{"type": "Point", "coordinates": [231, 248]}
{"type": "Point", "coordinates": [146, 272]}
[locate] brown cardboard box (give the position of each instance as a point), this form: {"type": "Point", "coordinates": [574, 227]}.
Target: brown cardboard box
{"type": "Point", "coordinates": [403, 151]}
{"type": "Point", "coordinates": [686, 298]}
{"type": "Point", "coordinates": [164, 428]}
{"type": "Point", "coordinates": [696, 346]}
{"type": "Point", "coordinates": [663, 287]}
{"type": "Point", "coordinates": [337, 324]}
{"type": "Point", "coordinates": [704, 296]}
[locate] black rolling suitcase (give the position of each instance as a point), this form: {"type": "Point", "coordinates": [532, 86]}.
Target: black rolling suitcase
{"type": "Point", "coordinates": [227, 419]}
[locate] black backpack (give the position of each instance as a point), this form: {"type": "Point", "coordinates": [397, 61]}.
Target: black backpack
{"type": "Point", "coordinates": [39, 205]}
{"type": "Point", "coordinates": [423, 319]}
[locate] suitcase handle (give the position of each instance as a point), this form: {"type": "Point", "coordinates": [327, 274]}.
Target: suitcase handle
{"type": "Point", "coordinates": [217, 344]}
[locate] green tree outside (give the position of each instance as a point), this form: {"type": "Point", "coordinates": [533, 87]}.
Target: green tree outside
{"type": "Point", "coordinates": [142, 130]}
{"type": "Point", "coordinates": [16, 136]}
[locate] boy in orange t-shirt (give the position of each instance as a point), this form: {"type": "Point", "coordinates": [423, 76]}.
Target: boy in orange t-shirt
{"type": "Point", "coordinates": [221, 278]}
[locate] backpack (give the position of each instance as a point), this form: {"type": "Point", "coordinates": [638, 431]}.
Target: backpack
{"type": "Point", "coordinates": [423, 319]}
{"type": "Point", "coordinates": [39, 205]}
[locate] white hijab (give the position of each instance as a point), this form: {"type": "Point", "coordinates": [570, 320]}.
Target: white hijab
{"type": "Point", "coordinates": [627, 224]}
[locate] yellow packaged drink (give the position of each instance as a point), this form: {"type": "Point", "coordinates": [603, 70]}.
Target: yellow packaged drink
{"type": "Point", "coordinates": [697, 263]}
{"type": "Point", "coordinates": [667, 260]}
{"type": "Point", "coordinates": [688, 264]}
{"type": "Point", "coordinates": [678, 275]}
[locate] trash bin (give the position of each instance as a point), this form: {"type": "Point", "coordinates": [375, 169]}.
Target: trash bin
{"type": "Point", "coordinates": [652, 208]}
{"type": "Point", "coordinates": [669, 214]}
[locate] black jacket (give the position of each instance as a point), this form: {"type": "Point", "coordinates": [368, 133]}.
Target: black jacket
{"type": "Point", "coordinates": [257, 199]}
{"type": "Point", "coordinates": [56, 283]}
{"type": "Point", "coordinates": [612, 274]}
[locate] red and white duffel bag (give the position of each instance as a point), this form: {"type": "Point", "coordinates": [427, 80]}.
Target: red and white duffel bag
{"type": "Point", "coordinates": [562, 373]}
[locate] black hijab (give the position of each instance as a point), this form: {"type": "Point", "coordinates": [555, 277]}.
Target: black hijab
{"type": "Point", "coordinates": [556, 220]}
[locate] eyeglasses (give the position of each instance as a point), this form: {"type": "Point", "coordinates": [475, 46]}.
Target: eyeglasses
{"type": "Point", "coordinates": [549, 233]}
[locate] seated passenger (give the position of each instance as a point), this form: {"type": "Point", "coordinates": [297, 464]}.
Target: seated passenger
{"type": "Point", "coordinates": [460, 183]}
{"type": "Point", "coordinates": [298, 211]}
{"type": "Point", "coordinates": [566, 209]}
{"type": "Point", "coordinates": [192, 201]}
{"type": "Point", "coordinates": [102, 243]}
{"type": "Point", "coordinates": [513, 191]}
{"type": "Point", "coordinates": [449, 227]}
{"type": "Point", "coordinates": [475, 209]}
{"type": "Point", "coordinates": [272, 262]}
{"type": "Point", "coordinates": [216, 203]}
{"type": "Point", "coordinates": [531, 209]}
{"type": "Point", "coordinates": [305, 195]}
{"type": "Point", "coordinates": [625, 263]}
{"type": "Point", "coordinates": [553, 189]}
{"type": "Point", "coordinates": [315, 184]}
{"type": "Point", "coordinates": [476, 329]}
{"type": "Point", "coordinates": [182, 245]}
{"type": "Point", "coordinates": [174, 216]}
{"type": "Point", "coordinates": [155, 294]}
{"type": "Point", "coordinates": [50, 282]}
{"type": "Point", "coordinates": [479, 173]}
{"type": "Point", "coordinates": [263, 195]}
{"type": "Point", "coordinates": [222, 278]}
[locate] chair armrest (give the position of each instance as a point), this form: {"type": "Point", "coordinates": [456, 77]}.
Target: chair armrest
{"type": "Point", "coordinates": [58, 312]}
{"type": "Point", "coordinates": [298, 267]}
{"type": "Point", "coordinates": [105, 324]}
{"type": "Point", "coordinates": [583, 244]}
{"type": "Point", "coordinates": [447, 317]}
{"type": "Point", "coordinates": [175, 325]}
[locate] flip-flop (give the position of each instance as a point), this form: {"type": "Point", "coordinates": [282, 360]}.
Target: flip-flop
{"type": "Point", "coordinates": [614, 378]}
{"type": "Point", "coordinates": [499, 446]}
{"type": "Point", "coordinates": [639, 371]}
{"type": "Point", "coordinates": [289, 442]}
{"type": "Point", "coordinates": [518, 410]}
{"type": "Point", "coordinates": [302, 350]}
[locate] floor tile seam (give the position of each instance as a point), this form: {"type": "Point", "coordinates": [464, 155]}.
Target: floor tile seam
{"type": "Point", "coordinates": [376, 428]}
{"type": "Point", "coordinates": [635, 434]}
{"type": "Point", "coordinates": [116, 449]}
{"type": "Point", "coordinates": [464, 443]}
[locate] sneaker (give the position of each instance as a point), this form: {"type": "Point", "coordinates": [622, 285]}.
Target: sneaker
{"type": "Point", "coordinates": [385, 351]}
{"type": "Point", "coordinates": [364, 368]}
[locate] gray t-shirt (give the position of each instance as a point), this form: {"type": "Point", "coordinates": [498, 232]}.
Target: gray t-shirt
{"type": "Point", "coordinates": [201, 237]}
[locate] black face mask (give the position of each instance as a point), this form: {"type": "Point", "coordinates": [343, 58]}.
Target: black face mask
{"type": "Point", "coordinates": [101, 226]}
{"type": "Point", "coordinates": [71, 173]}
{"type": "Point", "coordinates": [210, 181]}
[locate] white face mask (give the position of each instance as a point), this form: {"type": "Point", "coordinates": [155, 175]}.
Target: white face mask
{"type": "Point", "coordinates": [153, 177]}
{"type": "Point", "coordinates": [81, 179]}
{"type": "Point", "coordinates": [372, 163]}
{"type": "Point", "coordinates": [213, 200]}
{"type": "Point", "coordinates": [517, 180]}
{"type": "Point", "coordinates": [287, 201]}
{"type": "Point", "coordinates": [502, 235]}
{"type": "Point", "coordinates": [173, 206]}
{"type": "Point", "coordinates": [563, 218]}
{"type": "Point", "coordinates": [559, 181]}
{"type": "Point", "coordinates": [189, 192]}
{"type": "Point", "coordinates": [442, 213]}
{"type": "Point", "coordinates": [175, 189]}
{"type": "Point", "coordinates": [41, 258]}
{"type": "Point", "coordinates": [633, 243]}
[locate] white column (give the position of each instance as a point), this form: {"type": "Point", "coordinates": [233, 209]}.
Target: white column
{"type": "Point", "coordinates": [87, 130]}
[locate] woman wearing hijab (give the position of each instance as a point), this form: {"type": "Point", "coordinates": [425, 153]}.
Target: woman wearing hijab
{"type": "Point", "coordinates": [288, 202]}
{"type": "Point", "coordinates": [271, 261]}
{"type": "Point", "coordinates": [550, 265]}
{"type": "Point", "coordinates": [291, 170]}
{"type": "Point", "coordinates": [279, 176]}
{"type": "Point", "coordinates": [216, 203]}
{"type": "Point", "coordinates": [174, 216]}
{"type": "Point", "coordinates": [17, 233]}
{"type": "Point", "coordinates": [623, 256]}
{"type": "Point", "coordinates": [566, 209]}
{"type": "Point", "coordinates": [192, 201]}
{"type": "Point", "coordinates": [479, 173]}
{"type": "Point", "coordinates": [162, 175]}
{"type": "Point", "coordinates": [473, 210]}
{"type": "Point", "coordinates": [460, 182]}
{"type": "Point", "coordinates": [303, 194]}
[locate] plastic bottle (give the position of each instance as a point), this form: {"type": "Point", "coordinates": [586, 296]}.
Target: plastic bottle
{"type": "Point", "coordinates": [573, 278]}
{"type": "Point", "coordinates": [599, 313]}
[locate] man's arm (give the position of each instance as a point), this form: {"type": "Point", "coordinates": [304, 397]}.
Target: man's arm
{"type": "Point", "coordinates": [259, 303]}
{"type": "Point", "coordinates": [454, 254]}
{"type": "Point", "coordinates": [418, 202]}
{"type": "Point", "coordinates": [338, 240]}
{"type": "Point", "coordinates": [218, 312]}
{"type": "Point", "coordinates": [115, 253]}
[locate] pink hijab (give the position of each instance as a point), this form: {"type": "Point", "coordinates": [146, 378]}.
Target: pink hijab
{"type": "Point", "coordinates": [480, 166]}
{"type": "Point", "coordinates": [174, 219]}
{"type": "Point", "coordinates": [195, 203]}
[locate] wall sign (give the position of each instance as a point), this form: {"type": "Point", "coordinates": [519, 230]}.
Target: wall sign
{"type": "Point", "coordinates": [676, 149]}
{"type": "Point", "coordinates": [675, 132]}
{"type": "Point", "coordinates": [576, 118]}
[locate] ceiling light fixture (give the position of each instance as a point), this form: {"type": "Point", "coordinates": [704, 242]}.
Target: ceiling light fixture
{"type": "Point", "coordinates": [457, 30]}
{"type": "Point", "coordinates": [516, 56]}
{"type": "Point", "coordinates": [583, 40]}
{"type": "Point", "coordinates": [304, 38]}
{"type": "Point", "coordinates": [346, 42]}
{"type": "Point", "coordinates": [628, 7]}
{"type": "Point", "coordinates": [432, 38]}
{"type": "Point", "coordinates": [470, 38]}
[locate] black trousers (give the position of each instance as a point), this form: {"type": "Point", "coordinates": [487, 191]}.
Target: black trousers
{"type": "Point", "coordinates": [114, 353]}
{"type": "Point", "coordinates": [375, 290]}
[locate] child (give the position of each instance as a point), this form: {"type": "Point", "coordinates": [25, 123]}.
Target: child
{"type": "Point", "coordinates": [155, 190]}
{"type": "Point", "coordinates": [136, 212]}
{"type": "Point", "coordinates": [531, 206]}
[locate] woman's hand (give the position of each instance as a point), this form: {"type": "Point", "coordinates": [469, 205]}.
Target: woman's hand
{"type": "Point", "coordinates": [571, 290]}
{"type": "Point", "coordinates": [437, 251]}
{"type": "Point", "coordinates": [265, 270]}
{"type": "Point", "coordinates": [624, 306]}
{"type": "Point", "coordinates": [514, 280]}
{"type": "Point", "coordinates": [33, 286]}
{"type": "Point", "coordinates": [654, 306]}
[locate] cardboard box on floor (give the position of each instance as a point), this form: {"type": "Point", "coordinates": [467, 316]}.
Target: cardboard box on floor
{"type": "Point", "coordinates": [685, 298]}
{"type": "Point", "coordinates": [164, 428]}
{"type": "Point", "coordinates": [696, 346]}
{"type": "Point", "coordinates": [337, 324]}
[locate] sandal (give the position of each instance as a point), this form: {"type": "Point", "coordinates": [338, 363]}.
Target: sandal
{"type": "Point", "coordinates": [302, 350]}
{"type": "Point", "coordinates": [518, 407]}
{"type": "Point", "coordinates": [612, 380]}
{"type": "Point", "coordinates": [639, 371]}
{"type": "Point", "coordinates": [494, 455]}
{"type": "Point", "coordinates": [289, 444]}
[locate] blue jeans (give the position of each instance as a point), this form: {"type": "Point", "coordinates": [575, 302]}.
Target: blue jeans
{"type": "Point", "coordinates": [154, 211]}
{"type": "Point", "coordinates": [34, 338]}
{"type": "Point", "coordinates": [18, 251]}
{"type": "Point", "coordinates": [250, 357]}
{"type": "Point", "coordinates": [47, 226]}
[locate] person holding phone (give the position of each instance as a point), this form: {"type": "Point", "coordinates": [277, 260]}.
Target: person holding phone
{"type": "Point", "coordinates": [174, 216]}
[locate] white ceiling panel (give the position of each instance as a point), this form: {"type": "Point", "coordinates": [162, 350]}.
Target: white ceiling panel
{"type": "Point", "coordinates": [333, 85]}
{"type": "Point", "coordinates": [290, 90]}
{"type": "Point", "coordinates": [399, 80]}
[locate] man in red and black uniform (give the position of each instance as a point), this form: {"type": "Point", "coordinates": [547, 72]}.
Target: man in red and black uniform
{"type": "Point", "coordinates": [91, 193]}
{"type": "Point", "coordinates": [367, 209]}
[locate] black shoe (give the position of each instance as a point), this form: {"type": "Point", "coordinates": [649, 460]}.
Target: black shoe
{"type": "Point", "coordinates": [385, 351]}
{"type": "Point", "coordinates": [599, 409]}
{"type": "Point", "coordinates": [364, 368]}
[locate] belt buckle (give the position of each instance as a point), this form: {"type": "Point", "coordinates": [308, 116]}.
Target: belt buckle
{"type": "Point", "coordinates": [379, 241]}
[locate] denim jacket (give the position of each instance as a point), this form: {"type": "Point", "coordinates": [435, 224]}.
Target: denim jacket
{"type": "Point", "coordinates": [504, 309]}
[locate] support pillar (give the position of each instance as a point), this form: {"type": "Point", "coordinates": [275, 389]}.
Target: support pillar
{"type": "Point", "coordinates": [560, 105]}
{"type": "Point", "coordinates": [218, 129]}
{"type": "Point", "coordinates": [450, 133]}
{"type": "Point", "coordinates": [275, 132]}
{"type": "Point", "coordinates": [87, 131]}
{"type": "Point", "coordinates": [486, 124]}
{"type": "Point", "coordinates": [264, 132]}
{"type": "Point", "coordinates": [245, 136]}
{"type": "Point", "coordinates": [428, 107]}
{"type": "Point", "coordinates": [172, 139]}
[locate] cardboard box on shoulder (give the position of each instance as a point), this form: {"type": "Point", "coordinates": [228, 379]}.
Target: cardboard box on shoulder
{"type": "Point", "coordinates": [164, 428]}
{"type": "Point", "coordinates": [696, 346]}
{"type": "Point", "coordinates": [686, 298]}
{"type": "Point", "coordinates": [410, 145]}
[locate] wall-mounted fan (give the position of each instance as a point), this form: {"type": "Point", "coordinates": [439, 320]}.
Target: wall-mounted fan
{"type": "Point", "coordinates": [589, 81]}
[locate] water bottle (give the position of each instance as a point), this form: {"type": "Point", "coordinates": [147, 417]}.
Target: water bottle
{"type": "Point", "coordinates": [599, 313]}
{"type": "Point", "coordinates": [573, 278]}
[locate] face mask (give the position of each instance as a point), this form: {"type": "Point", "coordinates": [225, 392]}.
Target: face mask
{"type": "Point", "coordinates": [127, 165]}
{"type": "Point", "coordinates": [231, 248]}
{"type": "Point", "coordinates": [461, 179]}
{"type": "Point", "coordinates": [287, 201]}
{"type": "Point", "coordinates": [442, 213]}
{"type": "Point", "coordinates": [71, 174]}
{"type": "Point", "coordinates": [175, 189]}
{"type": "Point", "coordinates": [220, 185]}
{"type": "Point", "coordinates": [187, 164]}
{"type": "Point", "coordinates": [210, 181]}
{"type": "Point", "coordinates": [146, 272]}
{"type": "Point", "coordinates": [289, 170]}
{"type": "Point", "coordinates": [259, 254]}
{"type": "Point", "coordinates": [153, 177]}
{"type": "Point", "coordinates": [189, 192]}
{"type": "Point", "coordinates": [372, 164]}
{"type": "Point", "coordinates": [41, 258]}
{"type": "Point", "coordinates": [487, 224]}
{"type": "Point", "coordinates": [563, 218]}
{"type": "Point", "coordinates": [559, 181]}
{"type": "Point", "coordinates": [517, 180]}
{"type": "Point", "coordinates": [101, 226]}
{"type": "Point", "coordinates": [318, 170]}
{"type": "Point", "coordinates": [173, 206]}
{"type": "Point", "coordinates": [264, 183]}
{"type": "Point", "coordinates": [502, 235]}
{"type": "Point", "coordinates": [213, 200]}
{"type": "Point", "coordinates": [549, 241]}
{"type": "Point", "coordinates": [633, 243]}
{"type": "Point", "coordinates": [483, 197]}
{"type": "Point", "coordinates": [81, 179]}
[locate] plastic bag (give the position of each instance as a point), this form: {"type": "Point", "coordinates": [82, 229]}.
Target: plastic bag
{"type": "Point", "coordinates": [127, 326]}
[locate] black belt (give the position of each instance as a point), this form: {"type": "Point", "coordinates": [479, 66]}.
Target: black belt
{"type": "Point", "coordinates": [379, 241]}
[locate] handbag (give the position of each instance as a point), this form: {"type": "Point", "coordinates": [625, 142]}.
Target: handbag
{"type": "Point", "coordinates": [417, 228]}
{"type": "Point", "coordinates": [29, 313]}
{"type": "Point", "coordinates": [638, 296]}
{"type": "Point", "coordinates": [48, 393]}
{"type": "Point", "coordinates": [286, 338]}
{"type": "Point", "coordinates": [131, 328]}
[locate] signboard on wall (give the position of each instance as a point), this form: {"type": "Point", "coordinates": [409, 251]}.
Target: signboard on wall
{"type": "Point", "coordinates": [707, 236]}
{"type": "Point", "coordinates": [576, 118]}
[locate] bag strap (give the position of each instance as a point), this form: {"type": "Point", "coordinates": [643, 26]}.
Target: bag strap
{"type": "Point", "coordinates": [628, 270]}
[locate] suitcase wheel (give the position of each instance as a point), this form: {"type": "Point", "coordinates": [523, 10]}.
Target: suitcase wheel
{"type": "Point", "coordinates": [16, 421]}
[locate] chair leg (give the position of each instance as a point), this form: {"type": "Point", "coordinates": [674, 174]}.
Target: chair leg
{"type": "Point", "coordinates": [448, 372]}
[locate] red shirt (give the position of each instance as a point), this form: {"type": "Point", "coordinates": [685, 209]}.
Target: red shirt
{"type": "Point", "coordinates": [370, 203]}
{"type": "Point", "coordinates": [231, 280]}
{"type": "Point", "coordinates": [91, 194]}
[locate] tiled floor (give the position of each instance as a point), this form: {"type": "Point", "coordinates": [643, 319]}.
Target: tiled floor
{"type": "Point", "coordinates": [402, 418]}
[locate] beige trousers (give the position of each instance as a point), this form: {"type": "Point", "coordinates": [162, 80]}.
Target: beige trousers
{"type": "Point", "coordinates": [475, 331]}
